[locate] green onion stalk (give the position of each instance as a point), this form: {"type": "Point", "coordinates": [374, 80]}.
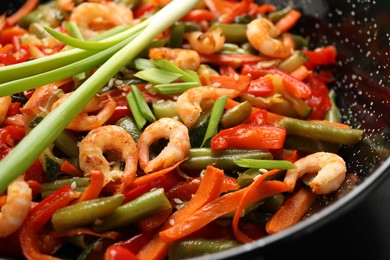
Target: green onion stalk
{"type": "Point", "coordinates": [28, 150]}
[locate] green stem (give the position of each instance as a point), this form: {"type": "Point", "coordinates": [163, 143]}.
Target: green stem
{"type": "Point", "coordinates": [40, 137]}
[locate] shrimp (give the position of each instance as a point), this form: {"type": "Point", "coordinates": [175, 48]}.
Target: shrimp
{"type": "Point", "coordinates": [109, 138]}
{"type": "Point", "coordinates": [190, 103]}
{"type": "Point", "coordinates": [94, 18]}
{"type": "Point", "coordinates": [5, 102]}
{"type": "Point", "coordinates": [330, 167]}
{"type": "Point", "coordinates": [185, 59]}
{"type": "Point", "coordinates": [261, 33]}
{"type": "Point", "coordinates": [176, 150]}
{"type": "Point", "coordinates": [84, 121]}
{"type": "Point", "coordinates": [206, 43]}
{"type": "Point", "coordinates": [17, 207]}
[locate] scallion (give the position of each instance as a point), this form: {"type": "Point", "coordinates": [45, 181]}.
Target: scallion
{"type": "Point", "coordinates": [171, 67]}
{"type": "Point", "coordinates": [139, 119]}
{"type": "Point", "coordinates": [216, 114]}
{"type": "Point", "coordinates": [157, 76]}
{"type": "Point", "coordinates": [265, 164]}
{"type": "Point", "coordinates": [142, 105]}
{"type": "Point", "coordinates": [175, 88]}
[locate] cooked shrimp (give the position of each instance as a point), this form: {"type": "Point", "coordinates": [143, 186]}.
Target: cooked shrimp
{"type": "Point", "coordinates": [190, 103]}
{"type": "Point", "coordinates": [109, 138]}
{"type": "Point", "coordinates": [261, 34]}
{"type": "Point", "coordinates": [330, 169]}
{"type": "Point", "coordinates": [16, 208]}
{"type": "Point", "coordinates": [206, 43]}
{"type": "Point", "coordinates": [5, 102]}
{"type": "Point", "coordinates": [84, 121]}
{"type": "Point", "coordinates": [175, 151]}
{"type": "Point", "coordinates": [185, 59]}
{"type": "Point", "coordinates": [93, 18]}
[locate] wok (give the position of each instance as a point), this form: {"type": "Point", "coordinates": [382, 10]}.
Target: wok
{"type": "Point", "coordinates": [360, 33]}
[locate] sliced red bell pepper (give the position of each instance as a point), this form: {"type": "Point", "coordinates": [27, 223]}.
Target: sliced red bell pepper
{"type": "Point", "coordinates": [323, 56]}
{"type": "Point", "coordinates": [7, 35]}
{"type": "Point", "coordinates": [36, 173]}
{"type": "Point", "coordinates": [135, 243]}
{"type": "Point", "coordinates": [227, 71]}
{"type": "Point", "coordinates": [320, 102]}
{"type": "Point", "coordinates": [249, 136]}
{"type": "Point", "coordinates": [165, 181]}
{"type": "Point", "coordinates": [296, 87]}
{"type": "Point", "coordinates": [13, 58]}
{"type": "Point", "coordinates": [237, 82]}
{"type": "Point", "coordinates": [10, 134]}
{"type": "Point", "coordinates": [38, 216]}
{"type": "Point", "coordinates": [261, 87]}
{"type": "Point", "coordinates": [13, 109]}
{"type": "Point", "coordinates": [143, 10]}
{"type": "Point", "coordinates": [122, 109]}
{"type": "Point", "coordinates": [258, 117]}
{"type": "Point", "coordinates": [198, 15]}
{"type": "Point", "coordinates": [115, 252]}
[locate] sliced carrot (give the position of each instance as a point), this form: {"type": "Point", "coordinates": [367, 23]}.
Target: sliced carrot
{"type": "Point", "coordinates": [217, 208]}
{"type": "Point", "coordinates": [255, 190]}
{"type": "Point", "coordinates": [94, 187]}
{"type": "Point", "coordinates": [208, 190]}
{"type": "Point", "coordinates": [27, 7]}
{"type": "Point", "coordinates": [70, 169]}
{"type": "Point", "coordinates": [301, 72]}
{"type": "Point", "coordinates": [288, 21]}
{"type": "Point", "coordinates": [266, 8]}
{"type": "Point", "coordinates": [291, 212]}
{"type": "Point", "coordinates": [85, 231]}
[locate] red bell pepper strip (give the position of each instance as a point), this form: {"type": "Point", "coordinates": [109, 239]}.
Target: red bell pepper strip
{"type": "Point", "coordinates": [36, 173]}
{"type": "Point", "coordinates": [320, 102]}
{"type": "Point", "coordinates": [166, 181]}
{"type": "Point", "coordinates": [143, 10]}
{"type": "Point", "coordinates": [324, 56]}
{"type": "Point", "coordinates": [10, 133]}
{"type": "Point", "coordinates": [38, 217]}
{"type": "Point", "coordinates": [238, 9]}
{"type": "Point", "coordinates": [237, 82]}
{"type": "Point", "coordinates": [135, 243]}
{"type": "Point", "coordinates": [7, 35]}
{"type": "Point", "coordinates": [258, 117]}
{"type": "Point", "coordinates": [13, 58]}
{"type": "Point", "coordinates": [261, 87]}
{"type": "Point", "coordinates": [249, 136]}
{"type": "Point", "coordinates": [115, 252]}
{"type": "Point", "coordinates": [199, 15]}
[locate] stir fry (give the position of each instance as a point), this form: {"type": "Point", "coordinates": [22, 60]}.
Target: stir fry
{"type": "Point", "coordinates": [161, 129]}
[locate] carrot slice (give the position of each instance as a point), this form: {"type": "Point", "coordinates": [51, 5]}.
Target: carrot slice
{"type": "Point", "coordinates": [300, 73]}
{"type": "Point", "coordinates": [288, 21]}
{"type": "Point", "coordinates": [291, 212]}
{"type": "Point", "coordinates": [219, 207]}
{"type": "Point", "coordinates": [94, 187]}
{"type": "Point", "coordinates": [27, 7]}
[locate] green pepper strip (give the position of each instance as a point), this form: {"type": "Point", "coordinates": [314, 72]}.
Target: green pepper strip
{"type": "Point", "coordinates": [85, 212]}
{"type": "Point", "coordinates": [321, 131]}
{"type": "Point", "coordinates": [147, 204]}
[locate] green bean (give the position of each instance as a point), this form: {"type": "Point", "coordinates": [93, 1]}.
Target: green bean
{"type": "Point", "coordinates": [294, 61]}
{"type": "Point", "coordinates": [147, 204]}
{"type": "Point", "coordinates": [299, 41]}
{"type": "Point", "coordinates": [177, 35]}
{"type": "Point", "coordinates": [197, 247]}
{"type": "Point", "coordinates": [199, 158]}
{"type": "Point", "coordinates": [245, 178]}
{"type": "Point", "coordinates": [128, 123]}
{"type": "Point", "coordinates": [333, 115]}
{"type": "Point", "coordinates": [234, 33]}
{"type": "Point", "coordinates": [85, 212]}
{"type": "Point", "coordinates": [309, 145]}
{"type": "Point", "coordinates": [265, 164]}
{"type": "Point", "coordinates": [321, 131]}
{"type": "Point", "coordinates": [67, 143]}
{"type": "Point", "coordinates": [80, 182]}
{"type": "Point", "coordinates": [236, 115]}
{"type": "Point", "coordinates": [277, 15]}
